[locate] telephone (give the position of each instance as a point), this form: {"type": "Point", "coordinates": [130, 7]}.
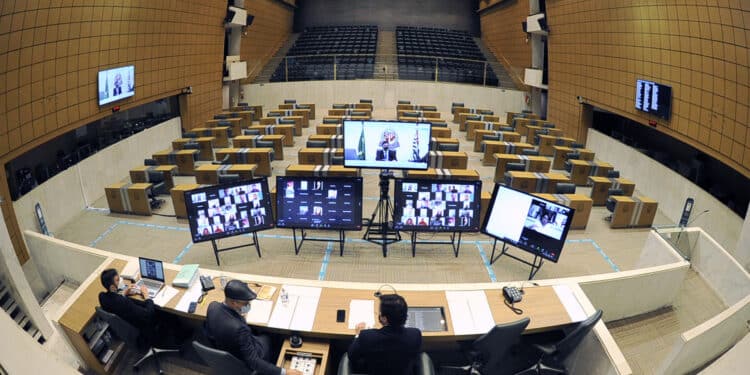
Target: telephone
{"type": "Point", "coordinates": [512, 294]}
{"type": "Point", "coordinates": [206, 283]}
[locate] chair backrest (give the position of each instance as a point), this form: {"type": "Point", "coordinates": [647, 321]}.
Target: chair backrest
{"type": "Point", "coordinates": [448, 147]}
{"type": "Point", "coordinates": [568, 344]}
{"type": "Point", "coordinates": [155, 177]}
{"type": "Point", "coordinates": [493, 346]}
{"type": "Point", "coordinates": [410, 114]}
{"type": "Point", "coordinates": [610, 204]}
{"type": "Point", "coordinates": [368, 101]}
{"type": "Point", "coordinates": [613, 174]}
{"type": "Point", "coordinates": [358, 113]}
{"type": "Point", "coordinates": [150, 162]}
{"type": "Point", "coordinates": [404, 102]}
{"type": "Point", "coordinates": [507, 129]}
{"type": "Point", "coordinates": [548, 125]}
{"type": "Point", "coordinates": [290, 101]}
{"type": "Point", "coordinates": [573, 156]}
{"type": "Point", "coordinates": [191, 146]}
{"type": "Point", "coordinates": [515, 167]}
{"type": "Point", "coordinates": [219, 361]}
{"type": "Point", "coordinates": [490, 137]}
{"type": "Point", "coordinates": [122, 329]}
{"type": "Point", "coordinates": [190, 135]}
{"type": "Point", "coordinates": [224, 178]}
{"type": "Point", "coordinates": [264, 144]}
{"type": "Point", "coordinates": [439, 124]}
{"type": "Point", "coordinates": [577, 145]}
{"type": "Point", "coordinates": [250, 132]}
{"type": "Point", "coordinates": [317, 144]}
{"type": "Point", "coordinates": [339, 106]}
{"type": "Point", "coordinates": [565, 188]}
{"type": "Point", "coordinates": [454, 104]}
{"type": "Point", "coordinates": [530, 152]}
{"type": "Point", "coordinates": [618, 191]}
{"type": "Point", "coordinates": [330, 121]}
{"type": "Point", "coordinates": [337, 160]}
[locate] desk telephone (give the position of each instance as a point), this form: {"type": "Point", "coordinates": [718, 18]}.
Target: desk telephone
{"type": "Point", "coordinates": [512, 294]}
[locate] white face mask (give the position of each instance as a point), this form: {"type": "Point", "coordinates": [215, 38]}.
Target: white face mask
{"type": "Point", "coordinates": [245, 309]}
{"type": "Point", "coordinates": [121, 286]}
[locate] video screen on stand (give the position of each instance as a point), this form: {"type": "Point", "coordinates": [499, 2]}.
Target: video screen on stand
{"type": "Point", "coordinates": [437, 205]}
{"type": "Point", "coordinates": [319, 202]}
{"type": "Point", "coordinates": [387, 144]}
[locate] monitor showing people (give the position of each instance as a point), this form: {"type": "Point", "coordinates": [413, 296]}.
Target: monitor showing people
{"type": "Point", "coordinates": [319, 202]}
{"type": "Point", "coordinates": [228, 209]}
{"type": "Point", "coordinates": [386, 144]}
{"type": "Point", "coordinates": [437, 205]}
{"type": "Point", "coordinates": [116, 84]}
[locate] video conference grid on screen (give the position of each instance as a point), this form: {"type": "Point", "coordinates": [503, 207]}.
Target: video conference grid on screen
{"type": "Point", "coordinates": [437, 205]}
{"type": "Point", "coordinates": [116, 84]}
{"type": "Point", "coordinates": [228, 210]}
{"type": "Point", "coordinates": [527, 222]}
{"type": "Point", "coordinates": [386, 144]}
{"type": "Point", "coordinates": [319, 203]}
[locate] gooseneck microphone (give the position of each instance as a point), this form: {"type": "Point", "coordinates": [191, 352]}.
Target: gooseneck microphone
{"type": "Point", "coordinates": [697, 216]}
{"type": "Point", "coordinates": [379, 293]}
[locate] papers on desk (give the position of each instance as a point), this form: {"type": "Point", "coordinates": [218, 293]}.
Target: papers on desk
{"type": "Point", "coordinates": [569, 300]}
{"type": "Point", "coordinates": [165, 295]}
{"type": "Point", "coordinates": [299, 312]}
{"type": "Point", "coordinates": [191, 295]}
{"type": "Point", "coordinates": [260, 311]}
{"type": "Point", "coordinates": [470, 312]}
{"type": "Point", "coordinates": [361, 310]}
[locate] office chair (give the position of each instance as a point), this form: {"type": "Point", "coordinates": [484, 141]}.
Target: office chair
{"type": "Point", "coordinates": [221, 116]}
{"type": "Point", "coordinates": [290, 101]}
{"type": "Point", "coordinates": [611, 203]}
{"type": "Point", "coordinates": [190, 135]}
{"type": "Point", "coordinates": [613, 174]}
{"type": "Point", "coordinates": [358, 113]}
{"type": "Point", "coordinates": [337, 160]}
{"type": "Point", "coordinates": [490, 137]}
{"type": "Point", "coordinates": [423, 366]}
{"type": "Point", "coordinates": [339, 106]}
{"type": "Point", "coordinates": [577, 145]}
{"type": "Point", "coordinates": [242, 104]}
{"type": "Point", "coordinates": [439, 124]}
{"type": "Point", "coordinates": [553, 355]}
{"type": "Point", "coordinates": [366, 101]}
{"type": "Point", "coordinates": [150, 162]}
{"type": "Point", "coordinates": [548, 125]}
{"type": "Point", "coordinates": [404, 102]}
{"type": "Point", "coordinates": [330, 121]}
{"type": "Point", "coordinates": [221, 362]}
{"type": "Point", "coordinates": [454, 104]}
{"type": "Point", "coordinates": [410, 114]}
{"type": "Point", "coordinates": [565, 188]}
{"type": "Point", "coordinates": [559, 142]}
{"type": "Point", "coordinates": [191, 146]}
{"type": "Point", "coordinates": [507, 129]}
{"type": "Point", "coordinates": [317, 144]}
{"type": "Point", "coordinates": [250, 132]}
{"type": "Point", "coordinates": [286, 121]}
{"type": "Point", "coordinates": [448, 147]}
{"type": "Point", "coordinates": [158, 187]}
{"type": "Point", "coordinates": [515, 167]}
{"type": "Point", "coordinates": [489, 353]}
{"type": "Point", "coordinates": [222, 161]}
{"type": "Point", "coordinates": [264, 144]}
{"type": "Point", "coordinates": [129, 335]}
{"type": "Point", "coordinates": [530, 152]}
{"type": "Point", "coordinates": [226, 178]}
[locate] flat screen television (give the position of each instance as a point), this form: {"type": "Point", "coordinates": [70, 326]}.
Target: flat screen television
{"type": "Point", "coordinates": [386, 144]}
{"type": "Point", "coordinates": [528, 222]}
{"type": "Point", "coordinates": [116, 84]}
{"type": "Point", "coordinates": [437, 205]}
{"type": "Point", "coordinates": [319, 202]}
{"type": "Point", "coordinates": [653, 98]}
{"type": "Point", "coordinates": [230, 209]}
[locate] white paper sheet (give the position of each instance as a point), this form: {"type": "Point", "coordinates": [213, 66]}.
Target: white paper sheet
{"type": "Point", "coordinates": [569, 300]}
{"type": "Point", "coordinates": [470, 312]}
{"type": "Point", "coordinates": [165, 295]}
{"type": "Point", "coordinates": [260, 311]}
{"type": "Point", "coordinates": [282, 314]}
{"type": "Point", "coordinates": [191, 295]}
{"type": "Point", "coordinates": [361, 310]}
{"type": "Point", "coordinates": [299, 312]}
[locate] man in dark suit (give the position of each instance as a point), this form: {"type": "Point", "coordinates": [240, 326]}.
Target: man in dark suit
{"type": "Point", "coordinates": [226, 330]}
{"type": "Point", "coordinates": [115, 302]}
{"type": "Point", "coordinates": [393, 349]}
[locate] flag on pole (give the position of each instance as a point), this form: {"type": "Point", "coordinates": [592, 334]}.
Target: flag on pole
{"type": "Point", "coordinates": [415, 147]}
{"type": "Point", "coordinates": [361, 147]}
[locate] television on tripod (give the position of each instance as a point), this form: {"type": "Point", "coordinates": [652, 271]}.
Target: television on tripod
{"type": "Point", "coordinates": [386, 144]}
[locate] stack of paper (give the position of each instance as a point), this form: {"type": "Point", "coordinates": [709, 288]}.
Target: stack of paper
{"type": "Point", "coordinates": [569, 300]}
{"type": "Point", "coordinates": [361, 310]}
{"type": "Point", "coordinates": [260, 311]}
{"type": "Point", "coordinates": [165, 295]}
{"type": "Point", "coordinates": [298, 313]}
{"type": "Point", "coordinates": [470, 312]}
{"type": "Point", "coordinates": [191, 295]}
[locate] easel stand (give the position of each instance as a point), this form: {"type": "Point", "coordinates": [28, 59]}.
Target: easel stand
{"type": "Point", "coordinates": [380, 232]}
{"type": "Point", "coordinates": [455, 243]}
{"type": "Point", "coordinates": [217, 250]}
{"type": "Point", "coordinates": [535, 266]}
{"type": "Point", "coordinates": [303, 237]}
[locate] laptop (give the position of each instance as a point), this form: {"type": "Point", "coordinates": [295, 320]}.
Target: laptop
{"type": "Point", "coordinates": [152, 275]}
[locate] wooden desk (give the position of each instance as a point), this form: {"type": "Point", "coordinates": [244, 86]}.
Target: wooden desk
{"type": "Point", "coordinates": [463, 117]}
{"type": "Point", "coordinates": [318, 156]}
{"type": "Point", "coordinates": [184, 159]}
{"type": "Point", "coordinates": [328, 129]}
{"type": "Point", "coordinates": [533, 164]}
{"type": "Point", "coordinates": [600, 187]}
{"type": "Point", "coordinates": [246, 118]}
{"type": "Point", "coordinates": [560, 155]}
{"type": "Point", "coordinates": [205, 146]}
{"type": "Point", "coordinates": [534, 182]}
{"type": "Point", "coordinates": [304, 113]}
{"type": "Point", "coordinates": [127, 198]}
{"type": "Point", "coordinates": [418, 119]}
{"type": "Point", "coordinates": [350, 112]}
{"type": "Point", "coordinates": [353, 106]}
{"type": "Point", "coordinates": [436, 141]}
{"type": "Point", "coordinates": [331, 140]}
{"type": "Point", "coordinates": [472, 126]}
{"type": "Point", "coordinates": [457, 111]}
{"type": "Point", "coordinates": [416, 107]}
{"type": "Point", "coordinates": [286, 130]}
{"type": "Point", "coordinates": [256, 109]}
{"type": "Point", "coordinates": [511, 115]}
{"type": "Point", "coordinates": [282, 121]}
{"type": "Point", "coordinates": [251, 141]}
{"type": "Point", "coordinates": [530, 131]}
{"type": "Point", "coordinates": [440, 132]}
{"type": "Point", "coordinates": [260, 156]}
{"type": "Point", "coordinates": [484, 204]}
{"type": "Point", "coordinates": [310, 106]}
{"type": "Point", "coordinates": [221, 133]}
{"type": "Point", "coordinates": [504, 136]}
{"type": "Point", "coordinates": [418, 113]}
{"type": "Point", "coordinates": [178, 198]}
{"type": "Point", "coordinates": [581, 203]}
{"type": "Point", "coordinates": [140, 174]}
{"type": "Point", "coordinates": [322, 171]}
{"type": "Point", "coordinates": [443, 174]}
{"type": "Point", "coordinates": [234, 123]}
{"type": "Point", "coordinates": [633, 212]}
{"type": "Point", "coordinates": [490, 148]}
{"type": "Point", "coordinates": [208, 174]}
{"type": "Point", "coordinates": [448, 159]}
{"type": "Point", "coordinates": [582, 169]}
{"type": "Point", "coordinates": [547, 142]}
{"type": "Point", "coordinates": [317, 349]}
{"type": "Point", "coordinates": [341, 119]}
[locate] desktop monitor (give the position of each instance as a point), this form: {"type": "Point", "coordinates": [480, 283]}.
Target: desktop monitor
{"type": "Point", "coordinates": [229, 209]}
{"type": "Point", "coordinates": [652, 97]}
{"type": "Point", "coordinates": [528, 222]}
{"type": "Point", "coordinates": [386, 144]}
{"type": "Point", "coordinates": [116, 84]}
{"type": "Point", "coordinates": [437, 205]}
{"type": "Point", "coordinates": [319, 202]}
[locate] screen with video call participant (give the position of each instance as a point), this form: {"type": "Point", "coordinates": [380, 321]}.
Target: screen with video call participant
{"type": "Point", "coordinates": [387, 144]}
{"type": "Point", "coordinates": [319, 202]}
{"type": "Point", "coordinates": [116, 84]}
{"type": "Point", "coordinates": [437, 205]}
{"type": "Point", "coordinates": [229, 209]}
{"type": "Point", "coordinates": [528, 222]}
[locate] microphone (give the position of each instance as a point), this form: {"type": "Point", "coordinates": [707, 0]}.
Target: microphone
{"type": "Point", "coordinates": [378, 293]}
{"type": "Point", "coordinates": [697, 216]}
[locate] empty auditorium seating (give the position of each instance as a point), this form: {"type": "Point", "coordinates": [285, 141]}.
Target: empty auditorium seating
{"type": "Point", "coordinates": [304, 64]}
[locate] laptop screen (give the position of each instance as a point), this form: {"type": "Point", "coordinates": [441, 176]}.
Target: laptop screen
{"type": "Point", "coordinates": [151, 269]}
{"type": "Point", "coordinates": [427, 319]}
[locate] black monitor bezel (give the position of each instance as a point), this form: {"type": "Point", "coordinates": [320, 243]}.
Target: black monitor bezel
{"type": "Point", "coordinates": [381, 166]}
{"type": "Point", "coordinates": [357, 220]}
{"type": "Point", "coordinates": [397, 201]}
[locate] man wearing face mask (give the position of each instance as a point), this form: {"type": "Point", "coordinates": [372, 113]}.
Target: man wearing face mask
{"type": "Point", "coordinates": [227, 330]}
{"type": "Point", "coordinates": [141, 315]}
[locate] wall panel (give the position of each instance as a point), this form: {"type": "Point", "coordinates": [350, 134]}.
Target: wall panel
{"type": "Point", "coordinates": [269, 31]}
{"type": "Point", "coordinates": [503, 34]}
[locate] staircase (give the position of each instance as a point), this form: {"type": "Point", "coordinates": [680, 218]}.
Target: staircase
{"type": "Point", "coordinates": [15, 311]}
{"type": "Point", "coordinates": [386, 66]}
{"type": "Point", "coordinates": [265, 74]}
{"type": "Point", "coordinates": [503, 77]}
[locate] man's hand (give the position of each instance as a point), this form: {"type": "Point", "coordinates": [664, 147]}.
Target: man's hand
{"type": "Point", "coordinates": [359, 327]}
{"type": "Point", "coordinates": [293, 372]}
{"type": "Point", "coordinates": [144, 291]}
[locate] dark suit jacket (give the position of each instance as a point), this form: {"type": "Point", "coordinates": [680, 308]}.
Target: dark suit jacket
{"type": "Point", "coordinates": [386, 351]}
{"type": "Point", "coordinates": [227, 330]}
{"type": "Point", "coordinates": [139, 315]}
{"type": "Point", "coordinates": [116, 91]}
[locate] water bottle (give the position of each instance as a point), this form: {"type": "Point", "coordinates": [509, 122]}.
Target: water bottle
{"type": "Point", "coordinates": [284, 297]}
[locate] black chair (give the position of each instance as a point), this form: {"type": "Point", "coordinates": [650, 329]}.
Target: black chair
{"type": "Point", "coordinates": [423, 366]}
{"type": "Point", "coordinates": [577, 145]}
{"type": "Point", "coordinates": [290, 101]}
{"type": "Point", "coordinates": [317, 144]}
{"type": "Point", "coordinates": [489, 353]}
{"type": "Point", "coordinates": [222, 161]}
{"type": "Point", "coordinates": [250, 132]}
{"type": "Point", "coordinates": [613, 174]}
{"type": "Point", "coordinates": [490, 137]}
{"type": "Point", "coordinates": [221, 362]}
{"type": "Point", "coordinates": [129, 335]}
{"type": "Point", "coordinates": [515, 167]}
{"type": "Point", "coordinates": [158, 187]}
{"type": "Point", "coordinates": [553, 355]}
{"type": "Point", "coordinates": [330, 121]}
{"type": "Point", "coordinates": [507, 129]}
{"type": "Point", "coordinates": [226, 178]}
{"type": "Point", "coordinates": [410, 114]}
{"type": "Point", "coordinates": [366, 101]}
{"type": "Point", "coordinates": [337, 160]}
{"type": "Point", "coordinates": [190, 135]}
{"type": "Point", "coordinates": [559, 142]}
{"type": "Point", "coordinates": [530, 152]}
{"type": "Point", "coordinates": [404, 102]}
{"type": "Point", "coordinates": [454, 104]}
{"type": "Point", "coordinates": [264, 144]}
{"type": "Point", "coordinates": [340, 106]}
{"type": "Point", "coordinates": [611, 203]}
{"type": "Point", "coordinates": [286, 121]}
{"type": "Point", "coordinates": [439, 124]}
{"type": "Point", "coordinates": [191, 146]}
{"type": "Point", "coordinates": [448, 147]}
{"type": "Point", "coordinates": [548, 125]}
{"type": "Point", "coordinates": [150, 162]}
{"type": "Point", "coordinates": [565, 188]}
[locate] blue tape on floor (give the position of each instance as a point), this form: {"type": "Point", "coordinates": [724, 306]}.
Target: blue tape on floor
{"type": "Point", "coordinates": [104, 234]}
{"type": "Point", "coordinates": [326, 258]}
{"type": "Point", "coordinates": [182, 253]}
{"type": "Point", "coordinates": [605, 256]}
{"type": "Point", "coordinates": [486, 262]}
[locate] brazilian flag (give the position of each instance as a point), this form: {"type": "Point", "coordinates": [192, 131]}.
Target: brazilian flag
{"type": "Point", "coordinates": [361, 147]}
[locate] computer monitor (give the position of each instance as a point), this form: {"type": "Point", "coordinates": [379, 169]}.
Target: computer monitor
{"type": "Point", "coordinates": [386, 144]}
{"type": "Point", "coordinates": [437, 205]}
{"type": "Point", "coordinates": [319, 202]}
{"type": "Point", "coordinates": [151, 269]}
{"type": "Point", "coordinates": [116, 84]}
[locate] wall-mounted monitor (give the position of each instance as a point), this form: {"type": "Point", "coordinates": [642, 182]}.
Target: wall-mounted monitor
{"type": "Point", "coordinates": [319, 202]}
{"type": "Point", "coordinates": [229, 209]}
{"type": "Point", "coordinates": [386, 144]}
{"type": "Point", "coordinates": [116, 84]}
{"type": "Point", "coordinates": [653, 98]}
{"type": "Point", "coordinates": [437, 205]}
{"type": "Point", "coordinates": [528, 222]}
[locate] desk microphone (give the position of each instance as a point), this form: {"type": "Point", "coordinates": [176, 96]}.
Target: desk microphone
{"type": "Point", "coordinates": [697, 216]}
{"type": "Point", "coordinates": [378, 294]}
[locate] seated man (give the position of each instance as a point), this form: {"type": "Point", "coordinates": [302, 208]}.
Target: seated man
{"type": "Point", "coordinates": [141, 315]}
{"type": "Point", "coordinates": [226, 330]}
{"type": "Point", "coordinates": [393, 349]}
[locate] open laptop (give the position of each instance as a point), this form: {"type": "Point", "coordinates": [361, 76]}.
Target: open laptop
{"type": "Point", "coordinates": [152, 275]}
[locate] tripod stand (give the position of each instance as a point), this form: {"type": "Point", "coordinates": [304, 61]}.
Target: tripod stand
{"type": "Point", "coordinates": [379, 232]}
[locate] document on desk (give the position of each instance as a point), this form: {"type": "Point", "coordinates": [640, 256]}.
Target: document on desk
{"type": "Point", "coordinates": [361, 310]}
{"type": "Point", "coordinates": [470, 312]}
{"type": "Point", "coordinates": [165, 295]}
{"type": "Point", "coordinates": [569, 300]}
{"type": "Point", "coordinates": [260, 311]}
{"type": "Point", "coordinates": [191, 295]}
{"type": "Point", "coordinates": [298, 313]}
